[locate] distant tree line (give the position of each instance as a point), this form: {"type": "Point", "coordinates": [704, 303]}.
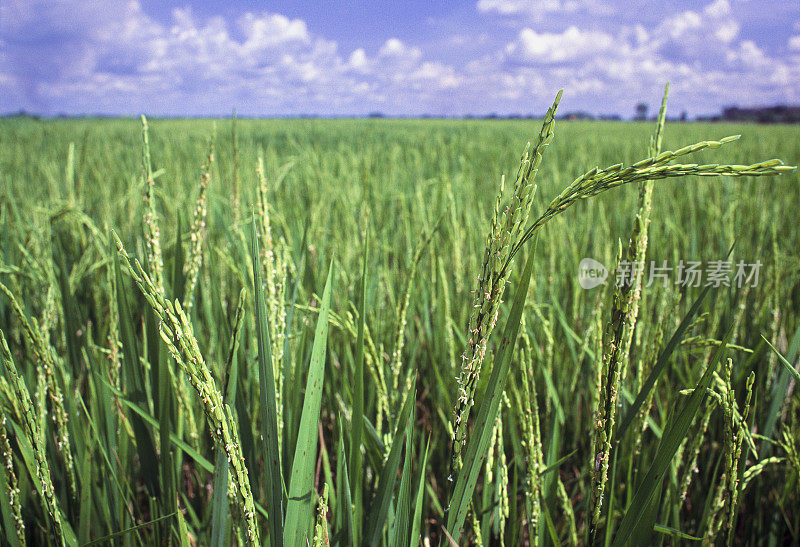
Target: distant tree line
{"type": "Point", "coordinates": [767, 114]}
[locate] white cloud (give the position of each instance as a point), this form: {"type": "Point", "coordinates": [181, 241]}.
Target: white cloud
{"type": "Point", "coordinates": [705, 34]}
{"type": "Point", "coordinates": [517, 7]}
{"type": "Point", "coordinates": [399, 53]}
{"type": "Point", "coordinates": [569, 45]}
{"type": "Point", "coordinates": [124, 61]}
{"type": "Point", "coordinates": [698, 51]}
{"type": "Point", "coordinates": [111, 56]}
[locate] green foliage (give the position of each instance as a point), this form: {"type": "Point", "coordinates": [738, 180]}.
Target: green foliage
{"type": "Point", "coordinates": [185, 379]}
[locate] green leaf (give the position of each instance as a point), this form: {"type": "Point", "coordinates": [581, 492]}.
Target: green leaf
{"type": "Point", "coordinates": [783, 361]}
{"type": "Point", "coordinates": [670, 441]}
{"type": "Point", "coordinates": [357, 426]}
{"type": "Point", "coordinates": [643, 531]}
{"type": "Point", "coordinates": [661, 363]}
{"type": "Point", "coordinates": [269, 415]}
{"type": "Point", "coordinates": [344, 516]}
{"type": "Point", "coordinates": [779, 388]}
{"type": "Point", "coordinates": [478, 443]}
{"type": "Point", "coordinates": [388, 476]}
{"type": "Point", "coordinates": [400, 530]}
{"type": "Point", "coordinates": [219, 500]}
{"type": "Point", "coordinates": [183, 531]}
{"type": "Point", "coordinates": [416, 524]}
{"type": "Point", "coordinates": [300, 507]}
{"type": "Point", "coordinates": [84, 521]}
{"type": "Point", "coordinates": [555, 465]}
{"type": "Point", "coordinates": [127, 531]}
{"type": "Point", "coordinates": [135, 386]}
{"type": "Point", "coordinates": [673, 533]}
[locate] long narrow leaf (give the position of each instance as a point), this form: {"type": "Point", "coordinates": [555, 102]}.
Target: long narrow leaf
{"type": "Point", "coordinates": [357, 426]}
{"type": "Point", "coordinates": [136, 387]}
{"type": "Point", "coordinates": [670, 441]}
{"type": "Point", "coordinates": [661, 363]}
{"type": "Point", "coordinates": [416, 524]}
{"type": "Point", "coordinates": [388, 477]}
{"type": "Point", "coordinates": [300, 507]}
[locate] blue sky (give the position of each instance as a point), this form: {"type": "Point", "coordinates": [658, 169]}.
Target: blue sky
{"type": "Point", "coordinates": [198, 57]}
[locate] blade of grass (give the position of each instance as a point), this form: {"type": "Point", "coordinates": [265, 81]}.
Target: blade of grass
{"type": "Point", "coordinates": [127, 531]}
{"type": "Point", "coordinates": [357, 426]}
{"type": "Point", "coordinates": [789, 368]}
{"type": "Point", "coordinates": [344, 516]}
{"type": "Point", "coordinates": [661, 364]}
{"type": "Point", "coordinates": [675, 534]}
{"type": "Point", "coordinates": [400, 531]}
{"type": "Point", "coordinates": [643, 531]}
{"type": "Point", "coordinates": [300, 507]}
{"type": "Point", "coordinates": [416, 524]}
{"type": "Point", "coordinates": [670, 440]}
{"type": "Point", "coordinates": [136, 387]}
{"type": "Point", "coordinates": [219, 501]}
{"type": "Point", "coordinates": [388, 476]}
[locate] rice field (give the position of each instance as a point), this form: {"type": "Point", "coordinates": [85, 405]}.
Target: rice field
{"type": "Point", "coordinates": [314, 331]}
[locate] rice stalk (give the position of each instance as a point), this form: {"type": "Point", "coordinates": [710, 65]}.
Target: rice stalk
{"type": "Point", "coordinates": [36, 438]}
{"type": "Point", "coordinates": [12, 484]}
{"type": "Point", "coordinates": [176, 330]}
{"type": "Point", "coordinates": [47, 361]}
{"type": "Point", "coordinates": [723, 508]}
{"type": "Point", "coordinates": [198, 230]}
{"type": "Point", "coordinates": [504, 236]}
{"type": "Point", "coordinates": [152, 235]}
{"type": "Point", "coordinates": [274, 265]}
{"type": "Point", "coordinates": [531, 434]}
{"type": "Point", "coordinates": [402, 312]}
{"type": "Point", "coordinates": [620, 329]}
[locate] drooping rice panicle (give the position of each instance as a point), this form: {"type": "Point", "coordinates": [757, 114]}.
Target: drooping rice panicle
{"type": "Point", "coordinates": [597, 181]}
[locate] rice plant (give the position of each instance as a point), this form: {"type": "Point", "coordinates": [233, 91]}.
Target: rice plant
{"type": "Point", "coordinates": [221, 332]}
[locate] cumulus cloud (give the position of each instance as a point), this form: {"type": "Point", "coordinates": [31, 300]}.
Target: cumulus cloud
{"type": "Point", "coordinates": [84, 57]}
{"type": "Point", "coordinates": [570, 45]}
{"type": "Point", "coordinates": [110, 56]}
{"type": "Point", "coordinates": [527, 7]}
{"type": "Point", "coordinates": [699, 51]}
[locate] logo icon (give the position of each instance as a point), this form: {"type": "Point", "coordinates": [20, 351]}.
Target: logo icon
{"type": "Point", "coordinates": [591, 273]}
